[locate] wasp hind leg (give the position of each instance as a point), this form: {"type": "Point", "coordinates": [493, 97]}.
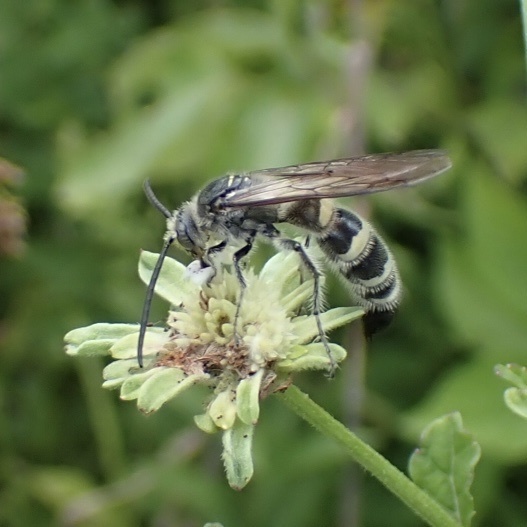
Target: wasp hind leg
{"type": "Point", "coordinates": [293, 245]}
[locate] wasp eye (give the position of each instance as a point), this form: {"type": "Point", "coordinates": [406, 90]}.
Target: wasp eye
{"type": "Point", "coordinates": [187, 231]}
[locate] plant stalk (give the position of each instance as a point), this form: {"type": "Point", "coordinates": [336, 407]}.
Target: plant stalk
{"type": "Point", "coordinates": [391, 477]}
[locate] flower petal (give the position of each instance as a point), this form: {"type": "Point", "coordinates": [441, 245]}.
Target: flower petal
{"type": "Point", "coordinates": [305, 327]}
{"type": "Point", "coordinates": [248, 398]}
{"type": "Point", "coordinates": [299, 296]}
{"type": "Point", "coordinates": [96, 339]}
{"type": "Point", "coordinates": [237, 456]}
{"type": "Point", "coordinates": [126, 348]}
{"type": "Point", "coordinates": [222, 409]}
{"type": "Point", "coordinates": [99, 331]}
{"type": "Point", "coordinates": [173, 283]}
{"type": "Point", "coordinates": [165, 385]}
{"type": "Point", "coordinates": [310, 357]}
{"type": "Point", "coordinates": [91, 348]}
{"type": "Point", "coordinates": [205, 423]}
{"type": "Point", "coordinates": [133, 383]}
{"type": "Point", "coordinates": [279, 265]}
{"type": "Point", "coordinates": [119, 369]}
{"type": "Point", "coordinates": [282, 272]}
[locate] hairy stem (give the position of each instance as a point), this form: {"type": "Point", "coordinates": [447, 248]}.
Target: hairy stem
{"type": "Point", "coordinates": [391, 477]}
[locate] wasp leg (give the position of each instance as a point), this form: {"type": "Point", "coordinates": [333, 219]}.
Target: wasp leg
{"type": "Point", "coordinates": [293, 245]}
{"type": "Point", "coordinates": [207, 261]}
{"type": "Point", "coordinates": [237, 257]}
{"type": "Point", "coordinates": [217, 248]}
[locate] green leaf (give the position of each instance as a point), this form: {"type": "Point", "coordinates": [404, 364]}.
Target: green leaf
{"type": "Point", "coordinates": [444, 465]}
{"type": "Point", "coordinates": [498, 125]}
{"type": "Point", "coordinates": [117, 160]}
{"type": "Point", "coordinates": [481, 277]}
{"type": "Point", "coordinates": [476, 393]}
{"type": "Point", "coordinates": [496, 212]}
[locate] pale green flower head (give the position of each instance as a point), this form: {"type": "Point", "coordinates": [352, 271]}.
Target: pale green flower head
{"type": "Point", "coordinates": [276, 337]}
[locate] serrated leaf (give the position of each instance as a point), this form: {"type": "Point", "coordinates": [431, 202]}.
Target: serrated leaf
{"type": "Point", "coordinates": [469, 388]}
{"type": "Point", "coordinates": [444, 463]}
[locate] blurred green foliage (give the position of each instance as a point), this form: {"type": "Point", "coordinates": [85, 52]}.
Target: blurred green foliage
{"type": "Point", "coordinates": [95, 96]}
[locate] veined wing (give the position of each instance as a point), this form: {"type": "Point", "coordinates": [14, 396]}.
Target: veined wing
{"type": "Point", "coordinates": [338, 178]}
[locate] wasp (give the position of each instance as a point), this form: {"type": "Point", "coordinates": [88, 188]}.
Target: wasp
{"type": "Point", "coordinates": [238, 209]}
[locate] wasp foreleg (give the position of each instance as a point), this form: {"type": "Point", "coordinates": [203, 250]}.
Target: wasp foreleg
{"type": "Point", "coordinates": [237, 257]}
{"type": "Point", "coordinates": [207, 261]}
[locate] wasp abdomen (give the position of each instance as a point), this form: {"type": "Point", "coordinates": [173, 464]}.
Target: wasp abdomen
{"type": "Point", "coordinates": [363, 259]}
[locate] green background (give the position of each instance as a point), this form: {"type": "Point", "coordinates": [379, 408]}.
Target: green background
{"type": "Point", "coordinates": [96, 96]}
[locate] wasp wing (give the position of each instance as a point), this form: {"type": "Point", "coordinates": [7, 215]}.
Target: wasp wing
{"type": "Point", "coordinates": [338, 178]}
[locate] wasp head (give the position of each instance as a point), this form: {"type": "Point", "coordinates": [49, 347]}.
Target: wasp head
{"type": "Point", "coordinates": [184, 224]}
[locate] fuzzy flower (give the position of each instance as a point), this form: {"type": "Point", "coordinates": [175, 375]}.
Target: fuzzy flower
{"type": "Point", "coordinates": [276, 333]}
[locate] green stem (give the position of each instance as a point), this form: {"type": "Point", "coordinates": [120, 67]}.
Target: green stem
{"type": "Point", "coordinates": [523, 7]}
{"type": "Point", "coordinates": [391, 477]}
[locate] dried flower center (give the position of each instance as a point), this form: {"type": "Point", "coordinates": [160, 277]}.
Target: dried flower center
{"type": "Point", "coordinates": [209, 358]}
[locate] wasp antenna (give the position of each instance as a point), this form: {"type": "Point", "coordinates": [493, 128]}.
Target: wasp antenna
{"type": "Point", "coordinates": [148, 299]}
{"type": "Point", "coordinates": [152, 198]}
